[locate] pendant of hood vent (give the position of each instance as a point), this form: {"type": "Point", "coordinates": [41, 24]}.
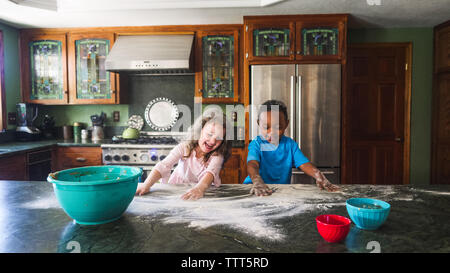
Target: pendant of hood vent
{"type": "Point", "coordinates": [161, 114]}
{"type": "Point", "coordinates": [151, 54]}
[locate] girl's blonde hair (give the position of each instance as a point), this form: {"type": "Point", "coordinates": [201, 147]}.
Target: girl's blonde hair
{"type": "Point", "coordinates": [195, 130]}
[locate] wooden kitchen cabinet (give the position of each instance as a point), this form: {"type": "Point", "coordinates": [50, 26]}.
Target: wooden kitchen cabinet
{"type": "Point", "coordinates": [67, 67]}
{"type": "Point", "coordinates": [269, 38]}
{"type": "Point", "coordinates": [89, 82]}
{"type": "Point", "coordinates": [14, 167]}
{"type": "Point", "coordinates": [44, 68]}
{"type": "Point", "coordinates": [232, 171]}
{"type": "Point", "coordinates": [285, 38]}
{"type": "Point", "coordinates": [74, 157]}
{"type": "Point", "coordinates": [218, 58]}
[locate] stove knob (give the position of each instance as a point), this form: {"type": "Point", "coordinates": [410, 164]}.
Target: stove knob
{"type": "Point", "coordinates": [162, 157]}
{"type": "Point", "coordinates": [116, 158]}
{"type": "Point", "coordinates": [108, 158]}
{"type": "Point", "coordinates": [125, 158]}
{"type": "Point", "coordinates": [144, 158]}
{"type": "Point", "coordinates": [154, 158]}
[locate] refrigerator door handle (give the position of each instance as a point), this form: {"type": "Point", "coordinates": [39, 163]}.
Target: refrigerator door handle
{"type": "Point", "coordinates": [301, 172]}
{"type": "Point", "coordinates": [299, 114]}
{"type": "Point", "coordinates": [292, 118]}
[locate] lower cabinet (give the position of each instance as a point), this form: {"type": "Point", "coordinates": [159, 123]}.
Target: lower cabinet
{"type": "Point", "coordinates": [14, 167]}
{"type": "Point", "coordinates": [73, 157]}
{"type": "Point", "coordinates": [231, 172]}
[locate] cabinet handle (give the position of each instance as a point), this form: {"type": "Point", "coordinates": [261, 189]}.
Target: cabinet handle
{"type": "Point", "coordinates": [66, 92]}
{"type": "Point", "coordinates": [81, 159]}
{"type": "Point", "coordinates": [113, 91]}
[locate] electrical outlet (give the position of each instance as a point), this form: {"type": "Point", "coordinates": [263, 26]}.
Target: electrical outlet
{"type": "Point", "coordinates": [12, 118]}
{"type": "Point", "coordinates": [116, 116]}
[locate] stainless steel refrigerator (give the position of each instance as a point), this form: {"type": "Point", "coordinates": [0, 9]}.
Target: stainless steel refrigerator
{"type": "Point", "coordinates": [312, 94]}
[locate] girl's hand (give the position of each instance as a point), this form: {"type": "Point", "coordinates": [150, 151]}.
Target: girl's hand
{"type": "Point", "coordinates": [193, 194]}
{"type": "Point", "coordinates": [260, 188]}
{"type": "Point", "coordinates": [142, 189]}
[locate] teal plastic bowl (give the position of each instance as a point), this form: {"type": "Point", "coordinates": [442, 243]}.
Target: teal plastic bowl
{"type": "Point", "coordinates": [95, 195]}
{"type": "Point", "coordinates": [368, 213]}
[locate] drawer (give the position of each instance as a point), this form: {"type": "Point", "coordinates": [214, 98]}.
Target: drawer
{"type": "Point", "coordinates": [73, 157]}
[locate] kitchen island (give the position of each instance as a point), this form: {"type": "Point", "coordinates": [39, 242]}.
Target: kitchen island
{"type": "Point", "coordinates": [226, 220]}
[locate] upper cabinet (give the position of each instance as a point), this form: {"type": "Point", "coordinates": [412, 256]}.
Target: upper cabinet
{"type": "Point", "coordinates": [67, 68]}
{"type": "Point", "coordinates": [89, 82]}
{"type": "Point", "coordinates": [217, 60]}
{"type": "Point", "coordinates": [309, 38]}
{"type": "Point", "coordinates": [44, 68]}
{"type": "Point", "coordinates": [270, 40]}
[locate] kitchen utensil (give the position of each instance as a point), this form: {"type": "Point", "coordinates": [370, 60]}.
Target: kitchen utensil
{"type": "Point", "coordinates": [95, 195]}
{"type": "Point", "coordinates": [367, 213]}
{"type": "Point", "coordinates": [136, 122]}
{"type": "Point", "coordinates": [130, 133]}
{"type": "Point", "coordinates": [161, 114]}
{"type": "Point", "coordinates": [97, 133]}
{"type": "Point", "coordinates": [26, 114]}
{"type": "Point", "coordinates": [333, 228]}
{"type": "Point", "coordinates": [98, 120]}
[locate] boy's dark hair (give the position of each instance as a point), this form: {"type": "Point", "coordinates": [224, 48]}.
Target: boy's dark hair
{"type": "Point", "coordinates": [274, 105]}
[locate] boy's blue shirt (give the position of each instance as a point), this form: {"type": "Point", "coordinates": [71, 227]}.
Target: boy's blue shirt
{"type": "Point", "coordinates": [275, 165]}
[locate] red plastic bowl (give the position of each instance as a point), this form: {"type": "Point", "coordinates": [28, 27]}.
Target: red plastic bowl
{"type": "Point", "coordinates": [333, 228]}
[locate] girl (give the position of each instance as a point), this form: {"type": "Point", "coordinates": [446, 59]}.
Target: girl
{"type": "Point", "coordinates": [200, 158]}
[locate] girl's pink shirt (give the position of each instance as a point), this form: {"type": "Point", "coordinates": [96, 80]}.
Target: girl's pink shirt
{"type": "Point", "coordinates": [189, 169]}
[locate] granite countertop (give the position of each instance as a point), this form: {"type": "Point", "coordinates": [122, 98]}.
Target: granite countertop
{"type": "Point", "coordinates": [9, 148]}
{"type": "Point", "coordinates": [226, 220]}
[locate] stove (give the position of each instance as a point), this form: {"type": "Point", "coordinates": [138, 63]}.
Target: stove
{"type": "Point", "coordinates": [144, 152]}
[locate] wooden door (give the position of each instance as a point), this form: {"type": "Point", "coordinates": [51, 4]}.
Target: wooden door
{"type": "Point", "coordinates": [440, 133]}
{"type": "Point", "coordinates": [376, 115]}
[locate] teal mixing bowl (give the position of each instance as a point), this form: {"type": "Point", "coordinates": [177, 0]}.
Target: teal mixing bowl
{"type": "Point", "coordinates": [367, 213]}
{"type": "Point", "coordinates": [95, 195]}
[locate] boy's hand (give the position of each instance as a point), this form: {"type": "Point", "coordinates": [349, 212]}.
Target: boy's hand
{"type": "Point", "coordinates": [259, 188]}
{"type": "Point", "coordinates": [324, 184]}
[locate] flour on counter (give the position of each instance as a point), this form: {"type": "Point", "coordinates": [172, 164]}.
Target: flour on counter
{"type": "Point", "coordinates": [234, 207]}
{"type": "Point", "coordinates": [250, 214]}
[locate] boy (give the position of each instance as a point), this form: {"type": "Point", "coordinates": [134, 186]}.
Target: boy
{"type": "Point", "coordinates": [271, 155]}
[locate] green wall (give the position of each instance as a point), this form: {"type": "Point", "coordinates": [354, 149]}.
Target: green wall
{"type": "Point", "coordinates": [12, 71]}
{"type": "Point", "coordinates": [422, 69]}
{"type": "Point", "coordinates": [68, 114]}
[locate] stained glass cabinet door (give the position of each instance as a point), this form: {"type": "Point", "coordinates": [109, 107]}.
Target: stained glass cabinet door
{"type": "Point", "coordinates": [219, 66]}
{"type": "Point", "coordinates": [44, 69]}
{"type": "Point", "coordinates": [90, 83]}
{"type": "Point", "coordinates": [270, 41]}
{"type": "Point", "coordinates": [320, 41]}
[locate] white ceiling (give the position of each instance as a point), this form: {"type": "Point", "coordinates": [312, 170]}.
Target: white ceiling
{"type": "Point", "coordinates": [71, 13]}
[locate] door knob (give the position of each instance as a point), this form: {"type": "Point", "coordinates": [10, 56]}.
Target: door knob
{"type": "Point", "coordinates": [399, 139]}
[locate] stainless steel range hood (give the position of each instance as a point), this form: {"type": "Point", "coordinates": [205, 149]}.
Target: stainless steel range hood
{"type": "Point", "coordinates": [151, 54]}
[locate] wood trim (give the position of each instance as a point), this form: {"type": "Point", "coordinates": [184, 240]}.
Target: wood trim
{"type": "Point", "coordinates": [407, 106]}
{"type": "Point", "coordinates": [3, 123]}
